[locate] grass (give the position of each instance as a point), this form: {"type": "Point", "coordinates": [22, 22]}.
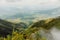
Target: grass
{"type": "Point", "coordinates": [27, 34]}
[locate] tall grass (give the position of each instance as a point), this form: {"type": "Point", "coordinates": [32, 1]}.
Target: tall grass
{"type": "Point", "coordinates": [25, 35]}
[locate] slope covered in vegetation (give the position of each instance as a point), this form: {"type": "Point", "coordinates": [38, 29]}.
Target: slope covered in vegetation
{"type": "Point", "coordinates": [32, 32]}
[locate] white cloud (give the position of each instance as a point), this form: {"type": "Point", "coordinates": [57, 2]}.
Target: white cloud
{"type": "Point", "coordinates": [32, 3]}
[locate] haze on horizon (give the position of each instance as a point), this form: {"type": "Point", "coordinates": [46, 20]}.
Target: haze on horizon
{"type": "Point", "coordinates": [7, 5]}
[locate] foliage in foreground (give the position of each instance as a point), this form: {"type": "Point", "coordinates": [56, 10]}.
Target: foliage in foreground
{"type": "Point", "coordinates": [27, 34]}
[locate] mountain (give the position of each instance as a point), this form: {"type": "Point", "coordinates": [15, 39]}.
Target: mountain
{"type": "Point", "coordinates": [42, 28]}
{"type": "Point", "coordinates": [28, 14]}
{"type": "Point", "coordinates": [47, 24]}
{"type": "Point", "coordinates": [7, 27]}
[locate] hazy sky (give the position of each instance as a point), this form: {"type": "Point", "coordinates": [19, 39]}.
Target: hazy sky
{"type": "Point", "coordinates": [31, 4]}
{"type": "Point", "coordinates": [40, 4]}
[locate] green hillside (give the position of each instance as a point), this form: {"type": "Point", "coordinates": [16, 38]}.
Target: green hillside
{"type": "Point", "coordinates": [20, 31]}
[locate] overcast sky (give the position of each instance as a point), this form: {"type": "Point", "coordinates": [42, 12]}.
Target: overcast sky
{"type": "Point", "coordinates": [43, 4]}
{"type": "Point", "coordinates": [32, 4]}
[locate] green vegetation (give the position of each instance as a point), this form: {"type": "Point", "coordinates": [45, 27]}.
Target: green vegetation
{"type": "Point", "coordinates": [20, 31]}
{"type": "Point", "coordinates": [27, 34]}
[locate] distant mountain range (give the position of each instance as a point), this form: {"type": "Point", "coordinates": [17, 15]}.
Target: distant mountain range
{"type": "Point", "coordinates": [27, 14]}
